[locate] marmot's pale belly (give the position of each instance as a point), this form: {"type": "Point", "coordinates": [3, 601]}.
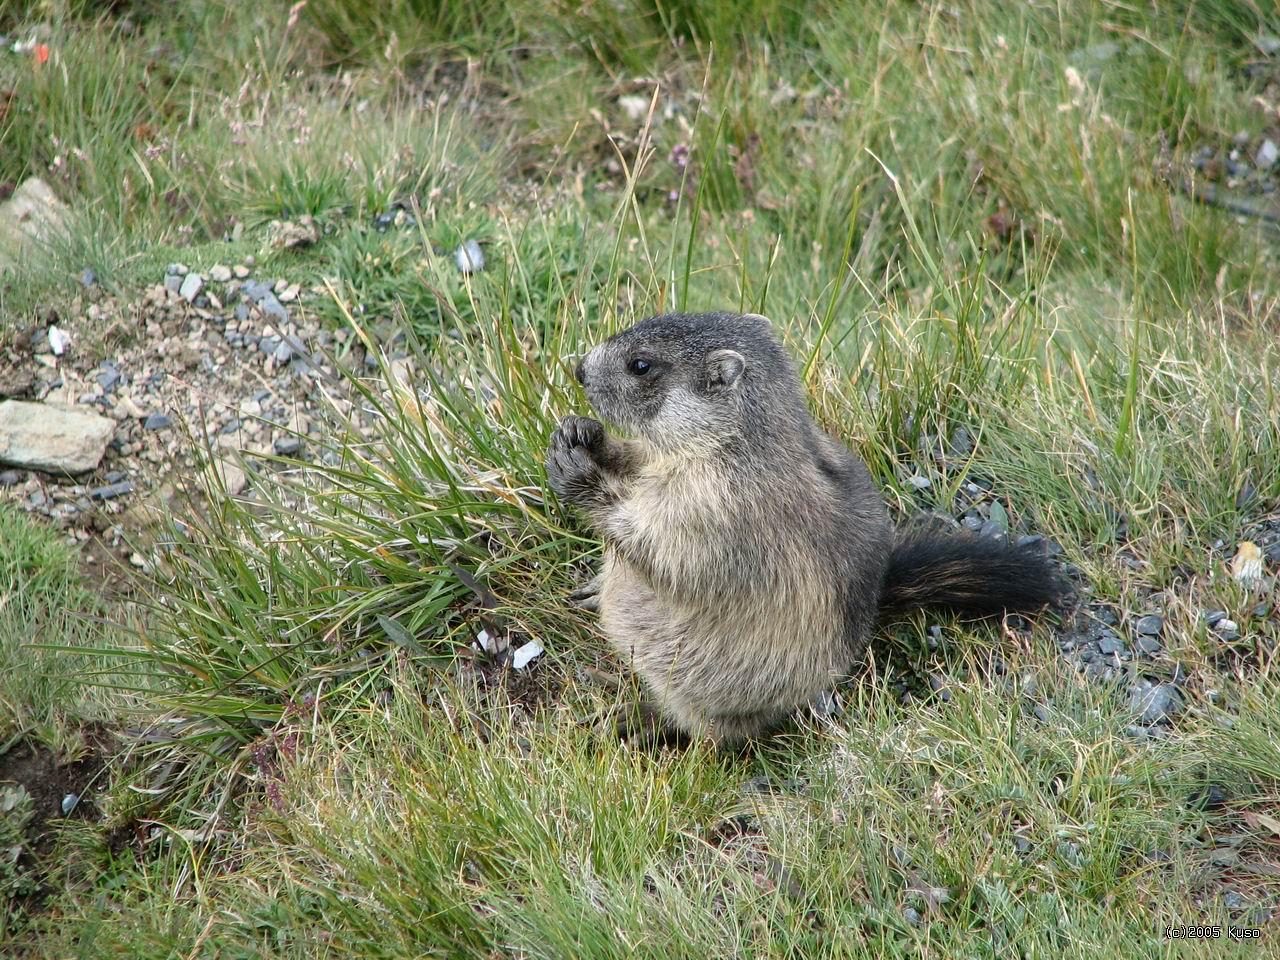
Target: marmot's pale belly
{"type": "Point", "coordinates": [770, 655]}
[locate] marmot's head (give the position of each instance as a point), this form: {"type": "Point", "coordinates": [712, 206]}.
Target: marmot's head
{"type": "Point", "coordinates": [683, 380]}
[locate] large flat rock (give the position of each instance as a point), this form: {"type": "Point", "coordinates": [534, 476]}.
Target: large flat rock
{"type": "Point", "coordinates": [40, 436]}
{"type": "Point", "coordinates": [32, 215]}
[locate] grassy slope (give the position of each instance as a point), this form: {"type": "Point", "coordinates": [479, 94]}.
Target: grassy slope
{"type": "Point", "coordinates": [1112, 348]}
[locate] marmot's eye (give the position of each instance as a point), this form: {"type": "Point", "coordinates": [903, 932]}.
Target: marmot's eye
{"type": "Point", "coordinates": [638, 367]}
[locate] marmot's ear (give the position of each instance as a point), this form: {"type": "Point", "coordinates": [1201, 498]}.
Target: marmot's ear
{"type": "Point", "coordinates": [759, 318]}
{"type": "Point", "coordinates": [724, 369]}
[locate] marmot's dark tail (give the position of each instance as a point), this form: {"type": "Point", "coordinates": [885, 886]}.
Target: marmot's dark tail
{"type": "Point", "coordinates": [977, 576]}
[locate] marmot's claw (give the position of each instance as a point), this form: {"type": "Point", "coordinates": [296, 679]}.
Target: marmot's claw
{"type": "Point", "coordinates": [642, 725]}
{"type": "Point", "coordinates": [582, 432]}
{"type": "Point", "coordinates": [571, 470]}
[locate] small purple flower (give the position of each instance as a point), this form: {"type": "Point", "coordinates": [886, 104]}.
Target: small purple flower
{"type": "Point", "coordinates": [679, 156]}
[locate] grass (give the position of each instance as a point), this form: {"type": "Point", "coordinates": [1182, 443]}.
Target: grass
{"type": "Point", "coordinates": [956, 216]}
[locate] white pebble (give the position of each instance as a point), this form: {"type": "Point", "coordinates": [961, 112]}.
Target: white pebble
{"type": "Point", "coordinates": [524, 653]}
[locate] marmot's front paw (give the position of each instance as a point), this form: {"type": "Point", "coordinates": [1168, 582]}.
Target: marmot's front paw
{"type": "Point", "coordinates": [572, 468]}
{"type": "Point", "coordinates": [582, 432]}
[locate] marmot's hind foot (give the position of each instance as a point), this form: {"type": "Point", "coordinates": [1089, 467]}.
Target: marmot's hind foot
{"type": "Point", "coordinates": [643, 726]}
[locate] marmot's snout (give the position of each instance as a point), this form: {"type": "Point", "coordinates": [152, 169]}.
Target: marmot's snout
{"type": "Point", "coordinates": [580, 372]}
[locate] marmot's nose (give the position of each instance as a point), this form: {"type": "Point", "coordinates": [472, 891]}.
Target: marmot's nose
{"type": "Point", "coordinates": [580, 373]}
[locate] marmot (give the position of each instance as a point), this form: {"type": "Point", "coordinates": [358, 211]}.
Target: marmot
{"type": "Point", "coordinates": [748, 555]}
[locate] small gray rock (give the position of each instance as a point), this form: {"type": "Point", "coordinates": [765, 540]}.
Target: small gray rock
{"type": "Point", "coordinates": [1148, 645]}
{"type": "Point", "coordinates": [157, 421]}
{"type": "Point", "coordinates": [192, 284]}
{"type": "Point", "coordinates": [469, 257]}
{"type": "Point", "coordinates": [1267, 155]}
{"type": "Point", "coordinates": [287, 446]}
{"type": "Point", "coordinates": [176, 270]}
{"type": "Point", "coordinates": [261, 294]}
{"type": "Point", "coordinates": [960, 444]}
{"type": "Point", "coordinates": [111, 491]}
{"type": "Point", "coordinates": [219, 273]}
{"type": "Point", "coordinates": [69, 803]}
{"type": "Point", "coordinates": [1234, 900]}
{"type": "Point", "coordinates": [1213, 616]}
{"type": "Point", "coordinates": [1111, 644]}
{"type": "Point", "coordinates": [88, 278]}
{"type": "Point", "coordinates": [172, 282]}
{"type": "Point", "coordinates": [919, 482]}
{"type": "Point", "coordinates": [1154, 702]}
{"type": "Point", "coordinates": [1150, 625]}
{"type": "Point", "coordinates": [1227, 630]}
{"type": "Point", "coordinates": [993, 529]}
{"type": "Point", "coordinates": [912, 916]}
{"type": "Point", "coordinates": [10, 478]}
{"type": "Point", "coordinates": [108, 377]}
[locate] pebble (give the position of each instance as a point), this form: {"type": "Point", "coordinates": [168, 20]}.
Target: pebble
{"type": "Point", "coordinates": [287, 446]}
{"type": "Point", "coordinates": [219, 273]}
{"type": "Point", "coordinates": [88, 278]}
{"type": "Point", "coordinates": [10, 478]}
{"type": "Point", "coordinates": [111, 491]}
{"type": "Point", "coordinates": [1267, 155]}
{"type": "Point", "coordinates": [1213, 616]}
{"type": "Point", "coordinates": [176, 270]}
{"type": "Point", "coordinates": [525, 653]}
{"type": "Point", "coordinates": [1154, 702]}
{"type": "Point", "coordinates": [157, 421]}
{"type": "Point", "coordinates": [1111, 644]}
{"type": "Point", "coordinates": [263, 297]}
{"type": "Point", "coordinates": [241, 271]}
{"type": "Point", "coordinates": [1227, 630]}
{"type": "Point", "coordinates": [192, 284]}
{"type": "Point", "coordinates": [939, 686]}
{"type": "Point", "coordinates": [173, 283]}
{"type": "Point", "coordinates": [69, 803]}
{"type": "Point", "coordinates": [1233, 899]}
{"type": "Point", "coordinates": [993, 529]}
{"type": "Point", "coordinates": [1211, 797]}
{"type": "Point", "coordinates": [1148, 645]}
{"type": "Point", "coordinates": [1150, 625]}
{"type": "Point", "coordinates": [919, 482]}
{"type": "Point", "coordinates": [961, 444]}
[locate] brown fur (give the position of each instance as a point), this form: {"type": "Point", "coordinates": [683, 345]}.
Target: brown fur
{"type": "Point", "coordinates": [718, 582]}
{"type": "Point", "coordinates": [745, 550]}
